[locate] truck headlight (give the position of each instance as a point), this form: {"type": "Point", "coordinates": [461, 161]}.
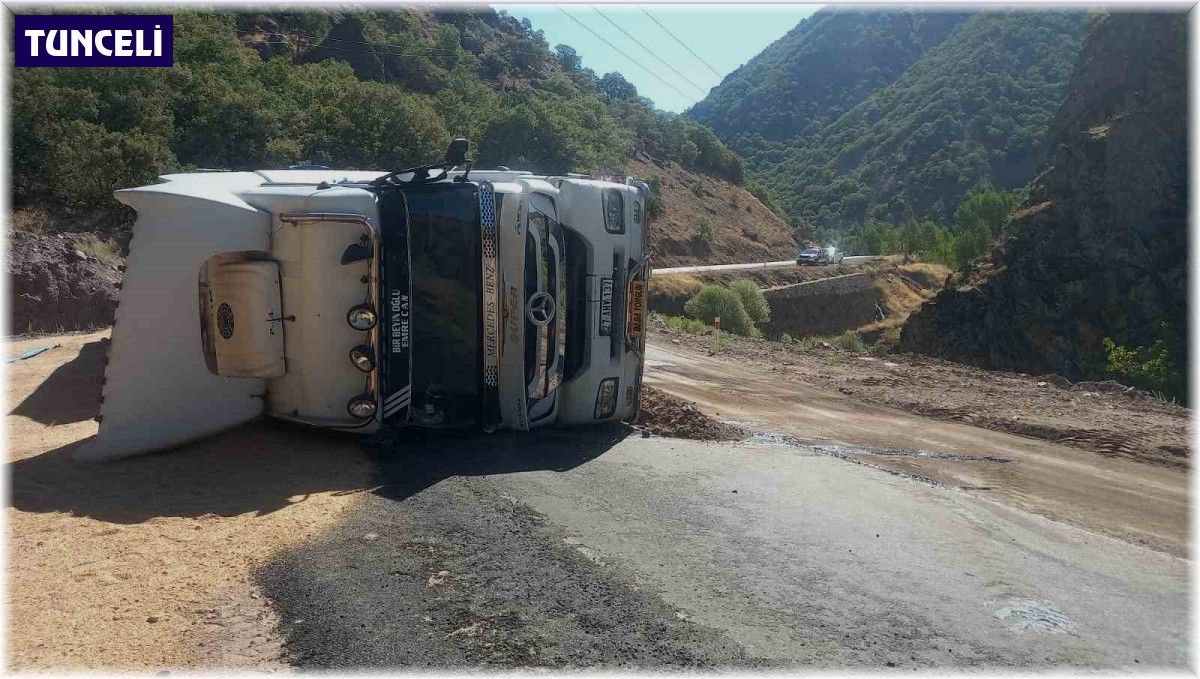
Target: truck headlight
{"type": "Point", "coordinates": [363, 358]}
{"type": "Point", "coordinates": [614, 210]}
{"type": "Point", "coordinates": [361, 407]}
{"type": "Point", "coordinates": [362, 317]}
{"type": "Point", "coordinates": [606, 399]}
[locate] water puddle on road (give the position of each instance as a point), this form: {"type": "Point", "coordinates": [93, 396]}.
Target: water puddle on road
{"type": "Point", "coordinates": [926, 466]}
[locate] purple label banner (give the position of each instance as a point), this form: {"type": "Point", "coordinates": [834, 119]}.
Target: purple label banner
{"type": "Point", "coordinates": [86, 40]}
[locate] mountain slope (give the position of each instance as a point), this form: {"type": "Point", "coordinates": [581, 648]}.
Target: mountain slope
{"type": "Point", "coordinates": [1100, 247]}
{"type": "Point", "coordinates": [347, 88]}
{"type": "Point", "coordinates": [969, 111]}
{"type": "Point", "coordinates": [742, 228]}
{"type": "Point", "coordinates": [822, 68]}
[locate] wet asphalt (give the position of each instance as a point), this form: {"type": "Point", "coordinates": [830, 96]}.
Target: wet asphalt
{"type": "Point", "coordinates": [598, 549]}
{"type": "Point", "coordinates": [440, 570]}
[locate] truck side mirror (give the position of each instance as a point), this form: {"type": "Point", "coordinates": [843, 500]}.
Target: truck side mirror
{"type": "Point", "coordinates": [456, 153]}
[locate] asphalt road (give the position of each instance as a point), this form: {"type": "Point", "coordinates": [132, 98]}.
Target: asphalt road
{"type": "Point", "coordinates": [601, 549]}
{"type": "Point", "coordinates": [786, 264]}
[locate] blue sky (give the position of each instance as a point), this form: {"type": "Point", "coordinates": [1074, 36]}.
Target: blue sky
{"type": "Point", "coordinates": [724, 36]}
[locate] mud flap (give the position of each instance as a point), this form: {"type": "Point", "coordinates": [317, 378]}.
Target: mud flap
{"type": "Point", "coordinates": [158, 392]}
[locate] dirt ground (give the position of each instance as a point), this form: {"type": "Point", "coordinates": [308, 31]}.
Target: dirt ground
{"type": "Point", "coordinates": [667, 415]}
{"type": "Point", "coordinates": [743, 229]}
{"type": "Point", "coordinates": [1105, 418]}
{"type": "Point", "coordinates": [1087, 456]}
{"type": "Point", "coordinates": [145, 564]}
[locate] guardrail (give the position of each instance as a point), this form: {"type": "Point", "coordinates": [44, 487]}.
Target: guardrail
{"type": "Point", "coordinates": [744, 267]}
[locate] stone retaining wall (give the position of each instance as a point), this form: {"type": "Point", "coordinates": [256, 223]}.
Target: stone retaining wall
{"type": "Point", "coordinates": [828, 306]}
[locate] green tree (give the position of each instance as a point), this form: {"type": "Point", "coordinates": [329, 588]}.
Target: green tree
{"type": "Point", "coordinates": [688, 153]}
{"type": "Point", "coordinates": [704, 230]}
{"type": "Point", "coordinates": [987, 207]}
{"type": "Point", "coordinates": [615, 87]}
{"type": "Point", "coordinates": [567, 57]}
{"type": "Point", "coordinates": [89, 163]}
{"type": "Point", "coordinates": [654, 205]}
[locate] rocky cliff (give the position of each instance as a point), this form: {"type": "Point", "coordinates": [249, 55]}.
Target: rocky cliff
{"type": "Point", "coordinates": [1100, 248]}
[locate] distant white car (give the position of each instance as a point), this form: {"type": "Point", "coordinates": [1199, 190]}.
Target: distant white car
{"type": "Point", "coordinates": [815, 255]}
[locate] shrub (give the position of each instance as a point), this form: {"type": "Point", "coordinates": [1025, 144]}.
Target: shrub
{"type": "Point", "coordinates": [1149, 368]}
{"type": "Point", "coordinates": [688, 153]}
{"type": "Point", "coordinates": [785, 338]}
{"type": "Point", "coordinates": [849, 341]}
{"type": "Point", "coordinates": [685, 324]}
{"type": "Point", "coordinates": [654, 204]}
{"type": "Point", "coordinates": [753, 301]}
{"type": "Point", "coordinates": [714, 300]}
{"type": "Point", "coordinates": [704, 230]}
{"type": "Point", "coordinates": [806, 343]}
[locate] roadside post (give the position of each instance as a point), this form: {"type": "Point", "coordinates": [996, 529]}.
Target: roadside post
{"type": "Point", "coordinates": [716, 347]}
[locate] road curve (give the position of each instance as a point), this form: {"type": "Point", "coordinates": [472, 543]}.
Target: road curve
{"type": "Point", "coordinates": [786, 264]}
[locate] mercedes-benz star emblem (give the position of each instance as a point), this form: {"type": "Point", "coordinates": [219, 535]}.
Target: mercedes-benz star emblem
{"type": "Point", "coordinates": [540, 309]}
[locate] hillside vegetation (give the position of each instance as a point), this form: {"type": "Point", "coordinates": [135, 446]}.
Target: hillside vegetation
{"type": "Point", "coordinates": [922, 127]}
{"type": "Point", "coordinates": [822, 68]}
{"type": "Point", "coordinates": [348, 89]}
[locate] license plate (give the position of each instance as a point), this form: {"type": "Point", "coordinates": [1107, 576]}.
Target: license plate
{"type": "Point", "coordinates": [606, 290]}
{"type": "Point", "coordinates": [637, 309]}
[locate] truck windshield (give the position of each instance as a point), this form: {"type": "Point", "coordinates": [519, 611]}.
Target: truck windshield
{"type": "Point", "coordinates": [444, 242]}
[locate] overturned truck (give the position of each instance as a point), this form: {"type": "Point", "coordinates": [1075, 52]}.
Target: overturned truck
{"type": "Point", "coordinates": [433, 297]}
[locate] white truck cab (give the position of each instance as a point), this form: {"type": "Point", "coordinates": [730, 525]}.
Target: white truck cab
{"type": "Point", "coordinates": [434, 297]}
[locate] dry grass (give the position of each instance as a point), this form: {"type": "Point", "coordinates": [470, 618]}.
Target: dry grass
{"type": "Point", "coordinates": [32, 220]}
{"type": "Point", "coordinates": [929, 275]}
{"type": "Point", "coordinates": [90, 245]}
{"type": "Point", "coordinates": [900, 294]}
{"type": "Point", "coordinates": [673, 285]}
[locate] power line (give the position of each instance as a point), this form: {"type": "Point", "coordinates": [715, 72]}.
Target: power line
{"type": "Point", "coordinates": [689, 49]}
{"type": "Point", "coordinates": [650, 52]}
{"type": "Point", "coordinates": [622, 53]}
